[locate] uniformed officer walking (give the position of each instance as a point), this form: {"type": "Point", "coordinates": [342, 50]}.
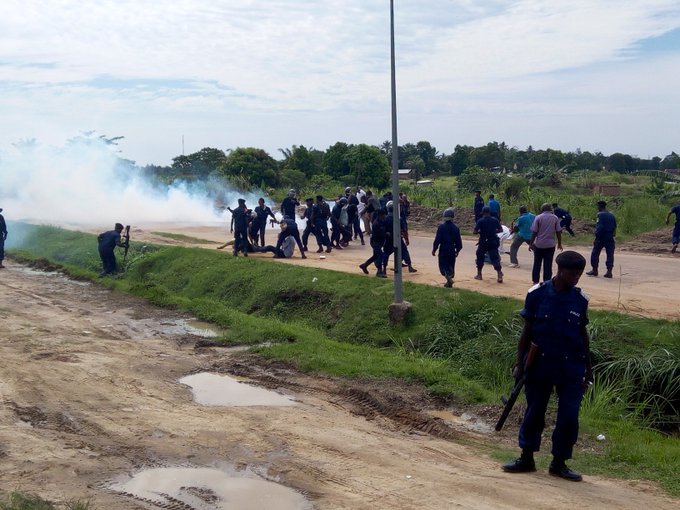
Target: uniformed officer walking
{"type": "Point", "coordinates": [449, 244]}
{"type": "Point", "coordinates": [555, 316]}
{"type": "Point", "coordinates": [605, 231]}
{"type": "Point", "coordinates": [487, 227]}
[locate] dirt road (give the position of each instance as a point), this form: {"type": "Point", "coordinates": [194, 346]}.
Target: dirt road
{"type": "Point", "coordinates": [91, 398]}
{"type": "Point", "coordinates": [643, 284]}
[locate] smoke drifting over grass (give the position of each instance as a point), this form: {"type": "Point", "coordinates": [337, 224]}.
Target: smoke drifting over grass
{"type": "Point", "coordinates": [86, 182]}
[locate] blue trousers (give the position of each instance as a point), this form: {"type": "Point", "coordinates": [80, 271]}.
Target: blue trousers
{"type": "Point", "coordinates": [569, 396]}
{"type": "Point", "coordinates": [676, 234]}
{"type": "Point", "coordinates": [2, 247]}
{"type": "Point", "coordinates": [447, 263]}
{"type": "Point", "coordinates": [240, 241]}
{"type": "Point", "coordinates": [321, 232]}
{"type": "Point", "coordinates": [108, 262]}
{"type": "Point", "coordinates": [377, 257]}
{"type": "Point", "coordinates": [494, 256]}
{"type": "Point", "coordinates": [608, 245]}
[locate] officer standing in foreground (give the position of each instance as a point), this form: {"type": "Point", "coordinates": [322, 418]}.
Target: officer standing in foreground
{"type": "Point", "coordinates": [449, 244]}
{"type": "Point", "coordinates": [605, 231]}
{"type": "Point", "coordinates": [555, 316]}
{"type": "Point", "coordinates": [107, 243]}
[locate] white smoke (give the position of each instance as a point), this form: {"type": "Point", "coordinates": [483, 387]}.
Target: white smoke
{"type": "Point", "coordinates": [86, 182]}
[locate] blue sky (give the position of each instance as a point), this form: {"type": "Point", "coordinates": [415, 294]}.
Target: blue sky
{"type": "Point", "coordinates": [596, 75]}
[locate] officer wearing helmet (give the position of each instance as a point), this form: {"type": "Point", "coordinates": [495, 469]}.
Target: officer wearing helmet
{"type": "Point", "coordinates": [289, 204]}
{"type": "Point", "coordinates": [449, 243]}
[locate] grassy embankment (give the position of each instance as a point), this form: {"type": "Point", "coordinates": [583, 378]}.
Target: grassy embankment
{"type": "Point", "coordinates": [458, 344]}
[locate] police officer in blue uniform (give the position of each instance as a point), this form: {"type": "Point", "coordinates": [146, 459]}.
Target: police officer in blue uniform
{"type": "Point", "coordinates": [565, 218]}
{"type": "Point", "coordinates": [262, 212]}
{"type": "Point", "coordinates": [487, 227]}
{"type": "Point", "coordinates": [555, 317]}
{"type": "Point", "coordinates": [676, 229]}
{"type": "Point", "coordinates": [449, 243]}
{"type": "Point", "coordinates": [289, 204]}
{"type": "Point", "coordinates": [320, 214]}
{"type": "Point", "coordinates": [240, 217]}
{"type": "Point", "coordinates": [309, 227]}
{"type": "Point", "coordinates": [605, 231]}
{"type": "Point", "coordinates": [379, 237]}
{"type": "Point", "coordinates": [403, 238]}
{"type": "Point", "coordinates": [107, 244]}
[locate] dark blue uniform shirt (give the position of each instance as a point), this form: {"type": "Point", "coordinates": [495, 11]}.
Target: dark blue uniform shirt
{"type": "Point", "coordinates": [262, 214]}
{"type": "Point", "coordinates": [676, 210]}
{"type": "Point", "coordinates": [487, 227]}
{"type": "Point", "coordinates": [479, 205]}
{"type": "Point", "coordinates": [240, 215]}
{"type": "Point", "coordinates": [606, 226]}
{"type": "Point", "coordinates": [379, 229]}
{"type": "Point", "coordinates": [288, 206]}
{"type": "Point", "coordinates": [561, 213]}
{"type": "Point", "coordinates": [448, 237]}
{"type": "Point", "coordinates": [556, 321]}
{"type": "Point", "coordinates": [108, 241]}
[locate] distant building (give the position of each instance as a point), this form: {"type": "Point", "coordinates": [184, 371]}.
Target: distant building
{"type": "Point", "coordinates": [406, 173]}
{"type": "Point", "coordinates": [607, 189]}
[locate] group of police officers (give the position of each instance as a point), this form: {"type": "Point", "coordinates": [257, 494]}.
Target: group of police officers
{"type": "Point", "coordinates": [553, 352]}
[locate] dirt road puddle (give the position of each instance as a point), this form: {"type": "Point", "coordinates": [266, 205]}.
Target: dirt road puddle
{"type": "Point", "coordinates": [209, 489]}
{"type": "Point", "coordinates": [221, 390]}
{"type": "Point", "coordinates": [465, 421]}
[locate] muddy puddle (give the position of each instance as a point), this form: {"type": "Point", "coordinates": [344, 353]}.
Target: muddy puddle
{"type": "Point", "coordinates": [465, 421]}
{"type": "Point", "coordinates": [209, 489]}
{"type": "Point", "coordinates": [221, 390]}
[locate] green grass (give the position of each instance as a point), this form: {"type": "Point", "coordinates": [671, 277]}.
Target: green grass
{"type": "Point", "coordinates": [22, 501]}
{"type": "Point", "coordinates": [459, 345]}
{"type": "Point", "coordinates": [183, 238]}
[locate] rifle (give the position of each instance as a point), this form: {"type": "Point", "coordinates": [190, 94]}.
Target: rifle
{"type": "Point", "coordinates": [519, 384]}
{"type": "Point", "coordinates": [126, 245]}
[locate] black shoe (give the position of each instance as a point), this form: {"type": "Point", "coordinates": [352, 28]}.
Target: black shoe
{"type": "Point", "coordinates": [329, 249]}
{"type": "Point", "coordinates": [412, 269]}
{"type": "Point", "coordinates": [320, 250]}
{"type": "Point", "coordinates": [363, 268]}
{"type": "Point", "coordinates": [563, 471]}
{"type": "Point", "coordinates": [520, 465]}
{"type": "Point", "coordinates": [592, 273]}
{"type": "Point", "coordinates": [608, 274]}
{"type": "Point", "coordinates": [381, 275]}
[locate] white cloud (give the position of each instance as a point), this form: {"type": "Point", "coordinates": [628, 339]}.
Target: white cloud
{"type": "Point", "coordinates": [201, 64]}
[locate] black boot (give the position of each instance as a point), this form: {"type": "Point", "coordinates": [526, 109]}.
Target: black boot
{"type": "Point", "coordinates": [559, 468]}
{"type": "Point", "coordinates": [525, 464]}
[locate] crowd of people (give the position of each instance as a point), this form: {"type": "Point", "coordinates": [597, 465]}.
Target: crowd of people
{"type": "Point", "coordinates": [358, 213]}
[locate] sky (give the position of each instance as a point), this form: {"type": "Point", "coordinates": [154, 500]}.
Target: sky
{"type": "Point", "coordinates": [177, 76]}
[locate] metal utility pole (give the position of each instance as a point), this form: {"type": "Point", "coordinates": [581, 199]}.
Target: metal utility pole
{"type": "Point", "coordinates": [396, 227]}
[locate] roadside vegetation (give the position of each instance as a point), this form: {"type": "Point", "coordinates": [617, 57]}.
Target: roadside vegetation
{"type": "Point", "coordinates": [23, 501]}
{"type": "Point", "coordinates": [459, 345]}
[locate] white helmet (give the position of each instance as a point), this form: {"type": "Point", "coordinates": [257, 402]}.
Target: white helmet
{"type": "Point", "coordinates": [389, 205]}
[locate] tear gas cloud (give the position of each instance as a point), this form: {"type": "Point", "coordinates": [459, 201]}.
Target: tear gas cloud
{"type": "Point", "coordinates": [87, 183]}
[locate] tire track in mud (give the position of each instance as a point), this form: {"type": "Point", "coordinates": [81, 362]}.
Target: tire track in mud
{"type": "Point", "coordinates": [352, 398]}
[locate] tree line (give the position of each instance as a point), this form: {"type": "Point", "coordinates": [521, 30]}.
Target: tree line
{"type": "Point", "coordinates": [249, 167]}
